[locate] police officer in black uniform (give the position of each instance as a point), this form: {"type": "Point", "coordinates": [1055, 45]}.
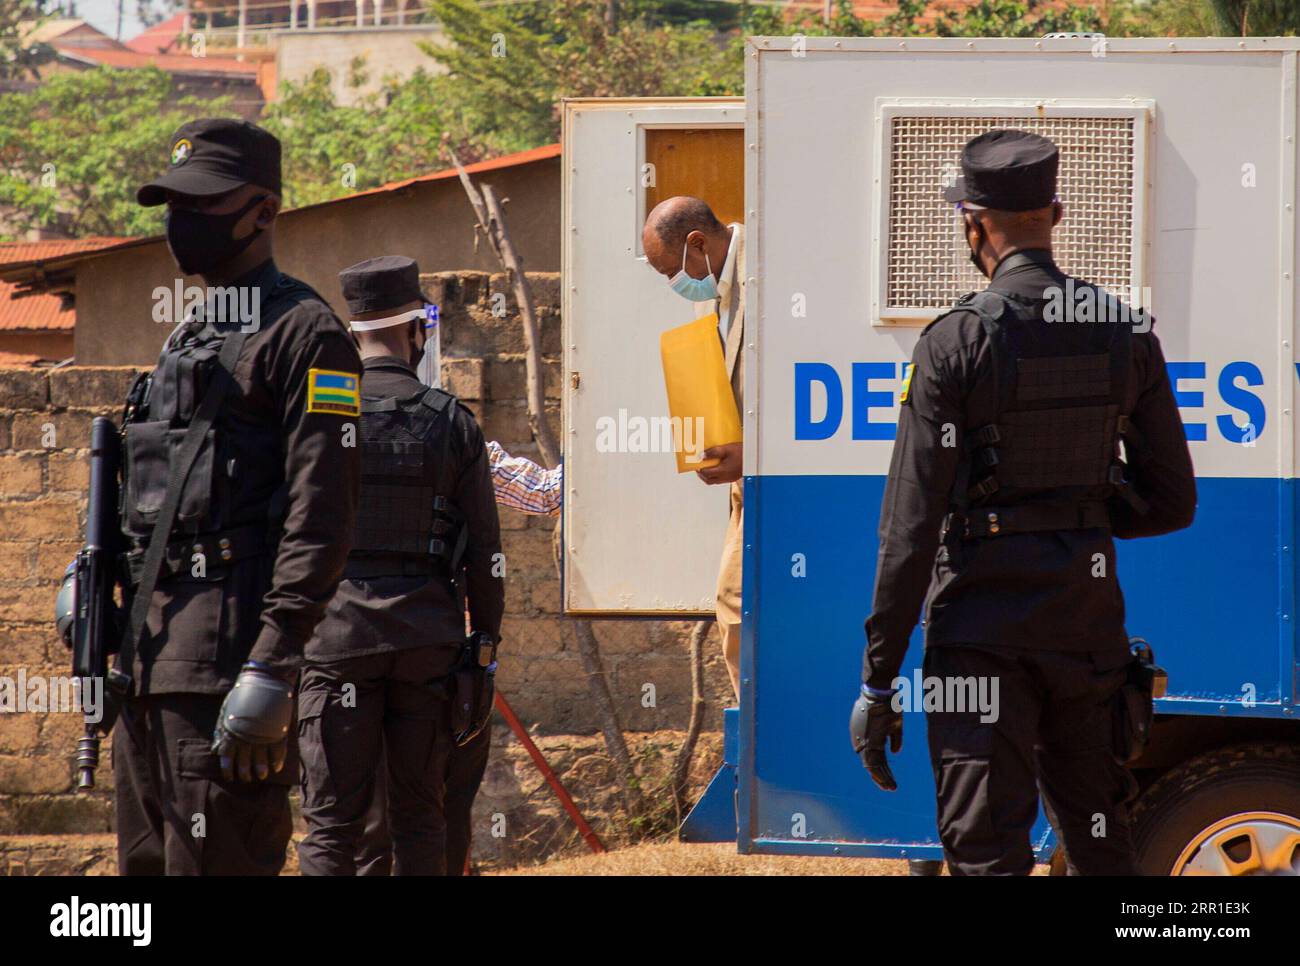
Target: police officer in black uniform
{"type": "Point", "coordinates": [238, 501]}
{"type": "Point", "coordinates": [1005, 491]}
{"type": "Point", "coordinates": [384, 669]}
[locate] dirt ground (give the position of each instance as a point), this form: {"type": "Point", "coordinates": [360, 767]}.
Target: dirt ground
{"type": "Point", "coordinates": [679, 858]}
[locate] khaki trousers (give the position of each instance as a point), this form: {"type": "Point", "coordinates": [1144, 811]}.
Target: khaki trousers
{"type": "Point", "coordinates": [728, 609]}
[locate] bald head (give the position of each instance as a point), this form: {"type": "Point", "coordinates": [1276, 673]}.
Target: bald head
{"type": "Point", "coordinates": [689, 223]}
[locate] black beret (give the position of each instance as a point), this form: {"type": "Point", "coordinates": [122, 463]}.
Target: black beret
{"type": "Point", "coordinates": [381, 283]}
{"type": "Point", "coordinates": [1007, 170]}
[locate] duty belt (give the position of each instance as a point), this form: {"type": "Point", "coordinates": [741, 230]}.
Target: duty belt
{"type": "Point", "coordinates": [218, 550]}
{"type": "Point", "coordinates": [991, 521]}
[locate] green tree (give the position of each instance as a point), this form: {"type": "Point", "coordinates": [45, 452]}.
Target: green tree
{"type": "Point", "coordinates": [332, 149]}
{"type": "Point", "coordinates": [74, 150]}
{"type": "Point", "coordinates": [1257, 18]}
{"type": "Point", "coordinates": [508, 69]}
{"type": "Point", "coordinates": [1014, 18]}
{"type": "Point", "coordinates": [20, 60]}
{"type": "Point", "coordinates": [779, 21]}
{"type": "Point", "coordinates": [1180, 18]}
{"type": "Point", "coordinates": [150, 12]}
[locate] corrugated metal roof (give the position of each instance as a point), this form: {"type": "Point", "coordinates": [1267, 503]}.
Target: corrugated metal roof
{"type": "Point", "coordinates": [45, 312]}
{"type": "Point", "coordinates": [10, 360]}
{"type": "Point", "coordinates": [491, 164]}
{"type": "Point", "coordinates": [30, 251]}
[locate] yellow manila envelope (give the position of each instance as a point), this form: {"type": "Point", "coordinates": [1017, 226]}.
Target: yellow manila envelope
{"type": "Point", "coordinates": [701, 406]}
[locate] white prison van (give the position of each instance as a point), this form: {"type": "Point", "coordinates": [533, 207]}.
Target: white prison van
{"type": "Point", "coordinates": [1178, 176]}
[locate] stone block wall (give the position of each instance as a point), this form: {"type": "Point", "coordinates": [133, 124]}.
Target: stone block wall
{"type": "Point", "coordinates": [45, 419]}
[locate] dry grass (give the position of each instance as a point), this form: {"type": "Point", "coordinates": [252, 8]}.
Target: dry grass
{"type": "Point", "coordinates": [679, 858]}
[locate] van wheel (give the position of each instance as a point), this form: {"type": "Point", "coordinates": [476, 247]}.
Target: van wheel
{"type": "Point", "coordinates": [1235, 811]}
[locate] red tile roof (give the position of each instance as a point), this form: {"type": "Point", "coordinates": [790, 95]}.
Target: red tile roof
{"type": "Point", "coordinates": [45, 312]}
{"type": "Point", "coordinates": [160, 37]}
{"type": "Point", "coordinates": [10, 360]}
{"type": "Point", "coordinates": [31, 251]}
{"type": "Point", "coordinates": [491, 164]}
{"type": "Point", "coordinates": [172, 63]}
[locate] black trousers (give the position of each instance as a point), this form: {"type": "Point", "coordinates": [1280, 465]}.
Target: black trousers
{"type": "Point", "coordinates": [176, 815]}
{"type": "Point", "coordinates": [1053, 734]}
{"type": "Point", "coordinates": [355, 714]}
{"type": "Point", "coordinates": [465, 768]}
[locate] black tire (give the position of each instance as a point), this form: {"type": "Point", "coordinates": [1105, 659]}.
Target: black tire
{"type": "Point", "coordinates": [1183, 805]}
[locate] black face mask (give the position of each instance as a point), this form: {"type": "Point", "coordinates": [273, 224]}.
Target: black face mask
{"type": "Point", "coordinates": [975, 252]}
{"type": "Point", "coordinates": [201, 242]}
{"type": "Point", "coordinates": [417, 347]}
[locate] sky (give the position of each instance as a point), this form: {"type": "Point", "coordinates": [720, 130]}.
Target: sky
{"type": "Point", "coordinates": [103, 15]}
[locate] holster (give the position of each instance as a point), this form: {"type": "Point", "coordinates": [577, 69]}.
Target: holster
{"type": "Point", "coordinates": [473, 688]}
{"type": "Point", "coordinates": [1134, 707]}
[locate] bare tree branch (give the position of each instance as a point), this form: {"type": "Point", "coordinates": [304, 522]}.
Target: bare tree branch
{"type": "Point", "coordinates": [492, 223]}
{"type": "Point", "coordinates": [686, 753]}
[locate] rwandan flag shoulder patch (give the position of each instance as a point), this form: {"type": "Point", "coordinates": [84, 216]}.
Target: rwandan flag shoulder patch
{"type": "Point", "coordinates": [333, 392]}
{"type": "Point", "coordinates": [907, 383]}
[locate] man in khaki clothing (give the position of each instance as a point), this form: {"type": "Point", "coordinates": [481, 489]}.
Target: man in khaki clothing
{"type": "Point", "coordinates": [704, 261]}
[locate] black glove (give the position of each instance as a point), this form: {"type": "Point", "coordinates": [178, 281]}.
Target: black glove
{"type": "Point", "coordinates": [252, 733]}
{"type": "Point", "coordinates": [873, 720]}
{"type": "Point", "coordinates": [475, 688]}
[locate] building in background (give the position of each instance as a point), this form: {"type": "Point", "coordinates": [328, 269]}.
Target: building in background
{"type": "Point", "coordinates": [205, 73]}
{"type": "Point", "coordinates": [36, 324]}
{"type": "Point", "coordinates": [389, 51]}
{"type": "Point", "coordinates": [108, 288]}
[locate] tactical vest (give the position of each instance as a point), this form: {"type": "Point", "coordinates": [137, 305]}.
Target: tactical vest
{"type": "Point", "coordinates": [406, 523]}
{"type": "Point", "coordinates": [233, 500]}
{"type": "Point", "coordinates": [1059, 424]}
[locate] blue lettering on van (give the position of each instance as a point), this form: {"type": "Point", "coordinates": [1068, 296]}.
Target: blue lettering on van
{"type": "Point", "coordinates": [866, 399]}
{"type": "Point", "coordinates": [1242, 400]}
{"type": "Point", "coordinates": [805, 374]}
{"type": "Point", "coordinates": [1187, 399]}
{"type": "Point", "coordinates": [1243, 426]}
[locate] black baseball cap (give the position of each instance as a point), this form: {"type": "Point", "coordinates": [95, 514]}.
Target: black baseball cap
{"type": "Point", "coordinates": [381, 283]}
{"type": "Point", "coordinates": [1007, 170]}
{"type": "Point", "coordinates": [214, 155]}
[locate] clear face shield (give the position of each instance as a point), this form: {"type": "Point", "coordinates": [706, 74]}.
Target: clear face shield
{"type": "Point", "coordinates": [429, 368]}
